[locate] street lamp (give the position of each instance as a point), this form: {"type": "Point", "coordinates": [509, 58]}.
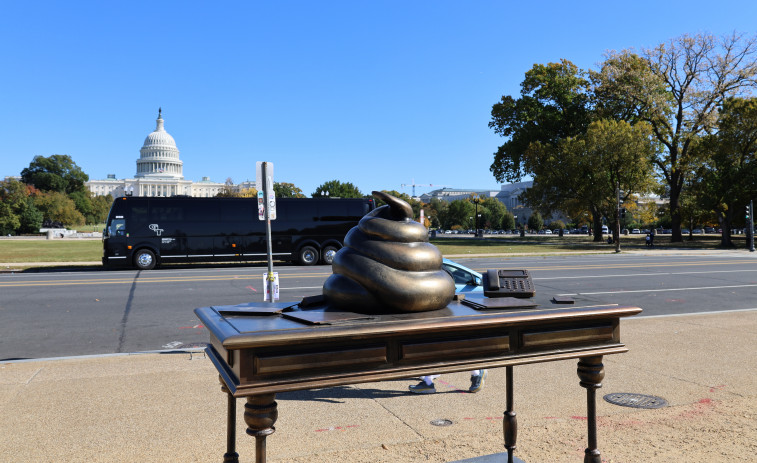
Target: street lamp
{"type": "Point", "coordinates": [476, 200]}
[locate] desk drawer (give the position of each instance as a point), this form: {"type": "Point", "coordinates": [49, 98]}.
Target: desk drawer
{"type": "Point", "coordinates": [324, 361]}
{"type": "Point", "coordinates": [458, 348]}
{"type": "Point", "coordinates": [556, 338]}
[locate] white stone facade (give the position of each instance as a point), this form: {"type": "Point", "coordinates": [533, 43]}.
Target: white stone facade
{"type": "Point", "coordinates": [159, 172]}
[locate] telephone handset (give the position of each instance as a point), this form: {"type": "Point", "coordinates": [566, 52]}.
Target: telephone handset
{"type": "Point", "coordinates": [508, 283]}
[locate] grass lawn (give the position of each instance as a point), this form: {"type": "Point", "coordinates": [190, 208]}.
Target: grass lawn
{"type": "Point", "coordinates": [570, 243]}
{"type": "Point", "coordinates": [59, 250]}
{"type": "Point", "coordinates": [89, 250]}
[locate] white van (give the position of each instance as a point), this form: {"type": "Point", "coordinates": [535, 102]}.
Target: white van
{"type": "Point", "coordinates": [605, 230]}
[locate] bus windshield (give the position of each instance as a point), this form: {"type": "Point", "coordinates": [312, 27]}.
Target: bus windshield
{"type": "Point", "coordinates": [117, 227]}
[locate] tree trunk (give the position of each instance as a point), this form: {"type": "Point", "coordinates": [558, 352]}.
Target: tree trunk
{"type": "Point", "coordinates": [597, 226]}
{"type": "Point", "coordinates": [725, 223]}
{"type": "Point", "coordinates": [675, 213]}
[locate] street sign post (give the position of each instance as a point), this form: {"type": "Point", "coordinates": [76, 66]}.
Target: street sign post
{"type": "Point", "coordinates": [750, 226]}
{"type": "Point", "coordinates": [267, 205]}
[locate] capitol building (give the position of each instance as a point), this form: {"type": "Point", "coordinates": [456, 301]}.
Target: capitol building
{"type": "Point", "coordinates": [159, 172]}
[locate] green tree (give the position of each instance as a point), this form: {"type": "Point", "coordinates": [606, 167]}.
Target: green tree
{"type": "Point", "coordinates": [9, 221]}
{"type": "Point", "coordinates": [492, 213]}
{"type": "Point", "coordinates": [508, 221]}
{"type": "Point", "coordinates": [437, 212]}
{"type": "Point", "coordinates": [20, 215]}
{"type": "Point", "coordinates": [609, 155]}
{"type": "Point", "coordinates": [83, 201]}
{"type": "Point", "coordinates": [100, 208]}
{"type": "Point", "coordinates": [535, 221]}
{"type": "Point", "coordinates": [337, 189]}
{"type": "Point", "coordinates": [557, 225]}
{"type": "Point", "coordinates": [727, 180]}
{"type": "Point", "coordinates": [55, 173]}
{"type": "Point", "coordinates": [677, 88]}
{"type": "Point", "coordinates": [555, 104]}
{"type": "Point", "coordinates": [460, 213]}
{"type": "Point", "coordinates": [58, 207]}
{"type": "Point", "coordinates": [30, 218]}
{"type": "Point", "coordinates": [287, 190]}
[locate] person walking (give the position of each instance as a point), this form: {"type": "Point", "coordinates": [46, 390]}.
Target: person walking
{"type": "Point", "coordinates": [426, 386]}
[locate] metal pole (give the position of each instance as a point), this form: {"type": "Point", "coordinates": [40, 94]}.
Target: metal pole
{"type": "Point", "coordinates": [269, 279]}
{"type": "Point", "coordinates": [475, 201]}
{"type": "Point", "coordinates": [751, 226]}
{"type": "Point", "coordinates": [617, 217]}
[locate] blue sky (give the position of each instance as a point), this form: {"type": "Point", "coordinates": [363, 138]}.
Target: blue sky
{"type": "Point", "coordinates": [379, 93]}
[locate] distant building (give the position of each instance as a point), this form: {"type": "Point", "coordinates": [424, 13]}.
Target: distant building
{"type": "Point", "coordinates": [509, 195]}
{"type": "Point", "coordinates": [159, 172]}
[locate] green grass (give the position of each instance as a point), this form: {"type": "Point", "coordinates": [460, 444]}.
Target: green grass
{"type": "Point", "coordinates": [58, 250]}
{"type": "Point", "coordinates": [87, 250]}
{"type": "Point", "coordinates": [569, 243]}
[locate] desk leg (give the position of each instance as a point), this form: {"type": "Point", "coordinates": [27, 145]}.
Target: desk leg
{"type": "Point", "coordinates": [591, 372]}
{"type": "Point", "coordinates": [510, 423]}
{"type": "Point", "coordinates": [231, 456]}
{"type": "Point", "coordinates": [260, 414]}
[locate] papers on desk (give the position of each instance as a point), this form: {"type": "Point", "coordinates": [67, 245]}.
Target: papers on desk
{"type": "Point", "coordinates": [321, 317]}
{"type": "Point", "coordinates": [498, 303]}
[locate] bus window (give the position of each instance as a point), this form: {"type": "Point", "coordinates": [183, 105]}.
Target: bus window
{"type": "Point", "coordinates": [239, 211]}
{"type": "Point", "coordinates": [138, 214]}
{"type": "Point", "coordinates": [300, 211]}
{"type": "Point", "coordinates": [117, 227]}
{"type": "Point", "coordinates": [166, 211]}
{"type": "Point", "coordinates": [202, 211]}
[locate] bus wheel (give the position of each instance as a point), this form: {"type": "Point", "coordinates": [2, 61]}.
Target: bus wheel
{"type": "Point", "coordinates": [308, 255]}
{"type": "Point", "coordinates": [328, 255]}
{"type": "Point", "coordinates": [144, 259]}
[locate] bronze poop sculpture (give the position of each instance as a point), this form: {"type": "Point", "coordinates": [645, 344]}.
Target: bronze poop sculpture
{"type": "Point", "coordinates": [387, 265]}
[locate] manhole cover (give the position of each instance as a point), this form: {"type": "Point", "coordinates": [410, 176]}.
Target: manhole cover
{"type": "Point", "coordinates": [625, 399]}
{"type": "Point", "coordinates": [441, 422]}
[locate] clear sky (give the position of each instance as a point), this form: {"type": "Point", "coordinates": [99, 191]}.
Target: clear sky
{"type": "Point", "coordinates": [377, 93]}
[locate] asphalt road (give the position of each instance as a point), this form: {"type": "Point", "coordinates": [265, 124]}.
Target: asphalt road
{"type": "Point", "coordinates": [59, 314]}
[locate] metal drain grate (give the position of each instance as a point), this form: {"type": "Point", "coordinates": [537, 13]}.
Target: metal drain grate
{"type": "Point", "coordinates": [441, 422]}
{"type": "Point", "coordinates": [625, 399]}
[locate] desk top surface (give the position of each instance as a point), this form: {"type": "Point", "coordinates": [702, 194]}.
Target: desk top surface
{"type": "Point", "coordinates": [261, 323]}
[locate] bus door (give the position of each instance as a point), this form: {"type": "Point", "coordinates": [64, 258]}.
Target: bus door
{"type": "Point", "coordinates": [115, 251]}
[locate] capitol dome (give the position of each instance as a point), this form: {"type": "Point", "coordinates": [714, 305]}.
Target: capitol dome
{"type": "Point", "coordinates": [159, 156]}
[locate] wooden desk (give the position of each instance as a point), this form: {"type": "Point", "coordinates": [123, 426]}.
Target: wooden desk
{"type": "Point", "coordinates": [258, 355]}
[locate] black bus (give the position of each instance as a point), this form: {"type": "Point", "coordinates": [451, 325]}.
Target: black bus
{"type": "Point", "coordinates": [146, 231]}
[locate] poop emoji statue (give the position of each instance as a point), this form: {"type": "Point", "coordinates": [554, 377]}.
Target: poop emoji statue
{"type": "Point", "coordinates": [387, 265]}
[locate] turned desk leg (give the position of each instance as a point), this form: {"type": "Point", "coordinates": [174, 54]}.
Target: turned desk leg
{"type": "Point", "coordinates": [510, 423]}
{"type": "Point", "coordinates": [591, 372]}
{"type": "Point", "coordinates": [231, 455]}
{"type": "Point", "coordinates": [260, 414]}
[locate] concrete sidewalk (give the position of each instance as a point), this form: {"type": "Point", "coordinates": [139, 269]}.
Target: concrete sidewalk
{"type": "Point", "coordinates": [170, 408]}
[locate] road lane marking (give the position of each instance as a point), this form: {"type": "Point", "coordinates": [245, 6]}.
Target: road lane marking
{"type": "Point", "coordinates": [141, 280]}
{"type": "Point", "coordinates": [656, 274]}
{"type": "Point", "coordinates": [181, 279]}
{"type": "Point", "coordinates": [624, 291]}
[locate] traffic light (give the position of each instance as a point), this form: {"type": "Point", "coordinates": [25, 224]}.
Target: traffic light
{"type": "Point", "coordinates": [748, 212]}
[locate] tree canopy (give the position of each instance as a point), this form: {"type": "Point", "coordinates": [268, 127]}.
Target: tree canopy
{"type": "Point", "coordinates": [727, 178]}
{"type": "Point", "coordinates": [286, 190]}
{"type": "Point", "coordinates": [677, 87]}
{"type": "Point", "coordinates": [55, 173]}
{"type": "Point", "coordinates": [554, 104]}
{"type": "Point", "coordinates": [337, 189]}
